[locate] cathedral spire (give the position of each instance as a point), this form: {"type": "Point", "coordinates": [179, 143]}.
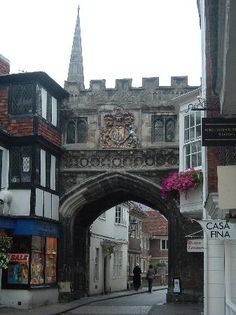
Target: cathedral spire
{"type": "Point", "coordinates": [76, 72]}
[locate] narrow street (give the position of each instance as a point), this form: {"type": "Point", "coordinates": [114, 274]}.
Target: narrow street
{"type": "Point", "coordinates": [139, 304]}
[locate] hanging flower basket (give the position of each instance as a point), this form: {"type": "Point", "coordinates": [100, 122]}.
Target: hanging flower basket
{"type": "Point", "coordinates": [181, 182]}
{"type": "Point", "coordinates": [5, 246]}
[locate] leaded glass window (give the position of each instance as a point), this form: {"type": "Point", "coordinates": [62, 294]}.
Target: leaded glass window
{"type": "Point", "coordinates": [22, 99]}
{"type": "Point", "coordinates": [77, 130]}
{"type": "Point", "coordinates": [70, 133]}
{"type": "Point", "coordinates": [82, 130]}
{"type": "Point", "coordinates": [21, 164]}
{"type": "Point", "coordinates": [170, 130]}
{"type": "Point", "coordinates": [163, 128]}
{"type": "Point", "coordinates": [158, 130]}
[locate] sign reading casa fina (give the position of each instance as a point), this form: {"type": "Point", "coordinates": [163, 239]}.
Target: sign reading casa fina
{"type": "Point", "coordinates": [195, 245]}
{"type": "Point", "coordinates": [219, 229]}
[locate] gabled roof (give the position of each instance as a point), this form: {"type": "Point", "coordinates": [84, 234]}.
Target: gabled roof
{"type": "Point", "coordinates": [155, 223]}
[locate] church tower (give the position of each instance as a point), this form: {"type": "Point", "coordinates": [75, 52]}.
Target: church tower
{"type": "Point", "coordinates": [76, 72]}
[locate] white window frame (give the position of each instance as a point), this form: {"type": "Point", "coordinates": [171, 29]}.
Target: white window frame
{"type": "Point", "coordinates": [165, 242]}
{"type": "Point", "coordinates": [54, 111]}
{"type": "Point", "coordinates": [120, 215]}
{"type": "Point", "coordinates": [192, 140]}
{"type": "Point", "coordinates": [53, 173]}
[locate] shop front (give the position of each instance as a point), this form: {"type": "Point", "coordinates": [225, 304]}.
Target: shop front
{"type": "Point", "coordinates": [32, 263]}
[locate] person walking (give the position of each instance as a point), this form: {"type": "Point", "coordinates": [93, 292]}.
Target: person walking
{"type": "Point", "coordinates": [137, 277]}
{"type": "Point", "coordinates": [150, 277]}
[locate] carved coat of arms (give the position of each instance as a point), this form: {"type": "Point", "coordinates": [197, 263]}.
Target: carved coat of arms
{"type": "Point", "coordinates": [119, 130]}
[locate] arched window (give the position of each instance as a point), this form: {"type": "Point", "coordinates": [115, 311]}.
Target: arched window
{"type": "Point", "coordinates": [158, 130]}
{"type": "Point", "coordinates": [70, 132]}
{"type": "Point", "coordinates": [170, 130]}
{"type": "Point", "coordinates": [82, 130]}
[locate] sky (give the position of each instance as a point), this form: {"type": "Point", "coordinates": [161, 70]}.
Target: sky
{"type": "Point", "coordinates": [120, 38]}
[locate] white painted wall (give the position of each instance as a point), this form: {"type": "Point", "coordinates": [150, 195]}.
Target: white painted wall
{"type": "Point", "coordinates": [215, 303]}
{"type": "Point", "coordinates": [20, 204]}
{"type": "Point", "coordinates": [106, 229]}
{"type": "Point", "coordinates": [26, 299]}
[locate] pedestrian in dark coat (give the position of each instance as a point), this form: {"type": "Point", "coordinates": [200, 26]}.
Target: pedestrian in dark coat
{"type": "Point", "coordinates": [150, 277]}
{"type": "Point", "coordinates": [137, 277]}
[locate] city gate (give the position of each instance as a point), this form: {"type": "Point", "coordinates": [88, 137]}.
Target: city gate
{"type": "Point", "coordinates": [120, 144]}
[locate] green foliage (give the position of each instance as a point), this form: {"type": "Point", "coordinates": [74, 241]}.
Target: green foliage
{"type": "Point", "coordinates": [5, 246]}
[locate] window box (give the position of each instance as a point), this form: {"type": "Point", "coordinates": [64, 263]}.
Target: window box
{"type": "Point", "coordinates": [181, 182]}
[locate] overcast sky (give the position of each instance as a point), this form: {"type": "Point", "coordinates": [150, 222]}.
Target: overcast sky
{"type": "Point", "coordinates": [120, 38]}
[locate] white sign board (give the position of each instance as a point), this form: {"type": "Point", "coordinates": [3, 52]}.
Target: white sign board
{"type": "Point", "coordinates": [219, 229]}
{"type": "Point", "coordinates": [195, 245]}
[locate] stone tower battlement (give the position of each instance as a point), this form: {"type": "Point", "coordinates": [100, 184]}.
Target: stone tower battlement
{"type": "Point", "coordinates": [126, 84]}
{"type": "Point", "coordinates": [149, 94]}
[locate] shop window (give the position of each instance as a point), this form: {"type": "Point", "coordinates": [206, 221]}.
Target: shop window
{"type": "Point", "coordinates": [21, 99]}
{"type": "Point", "coordinates": [192, 140]}
{"type": "Point", "coordinates": [43, 261]}
{"type": "Point", "coordinates": [51, 260]}
{"type": "Point", "coordinates": [20, 164]}
{"type": "Point", "coordinates": [33, 262]}
{"type": "Point", "coordinates": [17, 273]}
{"type": "Point", "coordinates": [77, 130]}
{"type": "Point", "coordinates": [163, 128]}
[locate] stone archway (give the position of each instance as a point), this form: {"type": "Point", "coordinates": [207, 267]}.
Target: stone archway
{"type": "Point", "coordinates": [85, 202]}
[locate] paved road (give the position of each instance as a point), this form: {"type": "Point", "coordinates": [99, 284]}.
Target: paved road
{"type": "Point", "coordinates": [141, 304]}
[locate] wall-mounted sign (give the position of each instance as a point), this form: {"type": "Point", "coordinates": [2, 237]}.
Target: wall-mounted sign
{"type": "Point", "coordinates": [218, 131]}
{"type": "Point", "coordinates": [195, 245]}
{"type": "Point", "coordinates": [219, 229]}
{"type": "Point", "coordinates": [176, 285]}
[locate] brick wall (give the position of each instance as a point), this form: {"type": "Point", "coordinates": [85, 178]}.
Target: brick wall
{"type": "Point", "coordinates": [155, 249]}
{"type": "Point", "coordinates": [4, 65]}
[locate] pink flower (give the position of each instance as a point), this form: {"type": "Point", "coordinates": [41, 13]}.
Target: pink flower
{"type": "Point", "coordinates": [182, 182]}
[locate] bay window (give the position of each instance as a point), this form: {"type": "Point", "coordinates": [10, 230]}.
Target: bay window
{"type": "Point", "coordinates": [20, 164]}
{"type": "Point", "coordinates": [192, 139]}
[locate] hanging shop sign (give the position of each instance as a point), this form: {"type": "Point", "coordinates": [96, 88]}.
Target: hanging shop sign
{"type": "Point", "coordinates": [219, 229]}
{"type": "Point", "coordinates": [218, 131]}
{"type": "Point", "coordinates": [195, 245]}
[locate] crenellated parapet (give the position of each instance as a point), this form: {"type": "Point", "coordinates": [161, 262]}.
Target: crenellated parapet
{"type": "Point", "coordinates": [124, 93]}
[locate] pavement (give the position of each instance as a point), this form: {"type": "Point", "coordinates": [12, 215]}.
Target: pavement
{"type": "Point", "coordinates": [60, 308]}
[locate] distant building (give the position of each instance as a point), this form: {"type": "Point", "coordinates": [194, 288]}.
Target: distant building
{"type": "Point", "coordinates": [109, 251]}
{"type": "Point", "coordinates": [157, 226]}
{"type": "Point", "coordinates": [138, 251]}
